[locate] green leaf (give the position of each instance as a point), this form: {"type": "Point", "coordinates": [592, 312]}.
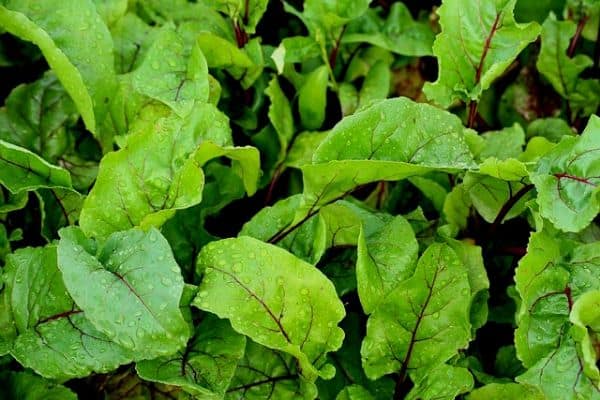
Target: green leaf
{"type": "Point", "coordinates": [27, 386]}
{"type": "Point", "coordinates": [20, 169]}
{"type": "Point", "coordinates": [376, 85]}
{"type": "Point", "coordinates": [540, 282]}
{"type": "Point", "coordinates": [501, 391]}
{"type": "Point", "coordinates": [503, 144]}
{"type": "Point", "coordinates": [349, 370]}
{"type": "Point", "coordinates": [280, 115]}
{"type": "Point", "coordinates": [312, 98]}
{"type": "Point", "coordinates": [308, 242]}
{"type": "Point", "coordinates": [443, 382]}
{"type": "Point", "coordinates": [268, 374]}
{"type": "Point", "coordinates": [585, 317]}
{"type": "Point", "coordinates": [293, 50]}
{"type": "Point", "coordinates": [567, 180]}
{"type": "Point", "coordinates": [423, 321]}
{"type": "Point", "coordinates": [329, 14]}
{"type": "Point", "coordinates": [84, 66]}
{"type": "Point", "coordinates": [385, 258]}
{"type": "Point", "coordinates": [563, 71]}
{"type": "Point", "coordinates": [398, 33]}
{"type": "Point", "coordinates": [457, 206]}
{"type": "Point", "coordinates": [354, 392]}
{"type": "Point", "coordinates": [111, 11]}
{"type": "Point", "coordinates": [136, 273]}
{"type": "Point", "coordinates": [167, 75]}
{"type": "Point", "coordinates": [221, 53]}
{"type": "Point", "coordinates": [489, 195]}
{"type": "Point", "coordinates": [560, 376]}
{"type": "Point", "coordinates": [476, 45]}
{"type": "Point", "coordinates": [204, 368]}
{"type": "Point", "coordinates": [53, 336]}
{"type": "Point", "coordinates": [154, 174]}
{"type": "Point", "coordinates": [36, 117]}
{"type": "Point", "coordinates": [60, 207]}
{"type": "Point", "coordinates": [303, 147]}
{"type": "Point", "coordinates": [295, 310]}
{"type": "Point", "coordinates": [132, 39]}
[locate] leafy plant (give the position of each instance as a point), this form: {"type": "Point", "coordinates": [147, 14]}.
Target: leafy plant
{"type": "Point", "coordinates": [251, 199]}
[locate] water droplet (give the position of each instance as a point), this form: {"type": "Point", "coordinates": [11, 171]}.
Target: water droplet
{"type": "Point", "coordinates": [237, 267]}
{"type": "Point", "coordinates": [76, 249]}
{"type": "Point", "coordinates": [304, 292]}
{"type": "Point", "coordinates": [152, 237]}
{"type": "Point", "coordinates": [166, 281]}
{"type": "Point", "coordinates": [435, 315]}
{"type": "Point", "coordinates": [155, 65]}
{"type": "Point", "coordinates": [162, 306]}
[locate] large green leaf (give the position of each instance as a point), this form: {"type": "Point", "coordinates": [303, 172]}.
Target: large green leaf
{"type": "Point", "coordinates": [398, 32]}
{"type": "Point", "coordinates": [568, 180]}
{"type": "Point", "coordinates": [477, 43]}
{"type": "Point", "coordinates": [502, 391]}
{"type": "Point", "coordinates": [84, 66]}
{"type": "Point", "coordinates": [136, 274]}
{"type": "Point", "coordinates": [265, 374]}
{"type": "Point", "coordinates": [564, 71]}
{"type": "Point", "coordinates": [423, 321]}
{"type": "Point", "coordinates": [274, 298]}
{"type": "Point", "coordinates": [205, 366]}
{"type": "Point", "coordinates": [560, 375]}
{"type": "Point", "coordinates": [20, 169]}
{"type": "Point", "coordinates": [385, 259]}
{"type": "Point", "coordinates": [53, 335]}
{"type": "Point", "coordinates": [36, 116]}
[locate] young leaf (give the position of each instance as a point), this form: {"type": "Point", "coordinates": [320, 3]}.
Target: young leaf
{"type": "Point", "coordinates": [443, 382]}
{"type": "Point", "coordinates": [167, 75]}
{"type": "Point", "coordinates": [204, 368]}
{"type": "Point", "coordinates": [53, 336]}
{"type": "Point", "coordinates": [376, 85]}
{"type": "Point", "coordinates": [84, 66]}
{"type": "Point", "coordinates": [385, 258]}
{"type": "Point", "coordinates": [568, 179]}
{"type": "Point", "coordinates": [134, 272]}
{"type": "Point", "coordinates": [562, 70]}
{"type": "Point", "coordinates": [477, 43]}
{"type": "Point", "coordinates": [221, 53]}
{"type": "Point", "coordinates": [585, 317]}
{"type": "Point", "coordinates": [20, 169]}
{"type": "Point", "coordinates": [312, 98]}
{"type": "Point", "coordinates": [354, 392]}
{"type": "Point", "coordinates": [268, 374]}
{"type": "Point", "coordinates": [280, 115]}
{"type": "Point", "coordinates": [154, 174]}
{"type": "Point", "coordinates": [295, 49]}
{"type": "Point", "coordinates": [295, 309]}
{"type": "Point", "coordinates": [398, 33]}
{"type": "Point", "coordinates": [423, 321]}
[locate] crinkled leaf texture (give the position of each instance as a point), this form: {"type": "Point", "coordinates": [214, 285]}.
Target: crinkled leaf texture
{"type": "Point", "coordinates": [274, 298]}
{"type": "Point", "coordinates": [424, 321]}
{"type": "Point", "coordinates": [159, 171]}
{"type": "Point", "coordinates": [477, 43]}
{"type": "Point", "coordinates": [568, 180]}
{"type": "Point", "coordinates": [84, 66]}
{"type": "Point", "coordinates": [134, 272]}
{"type": "Point", "coordinates": [51, 334]}
{"type": "Point", "coordinates": [205, 366]}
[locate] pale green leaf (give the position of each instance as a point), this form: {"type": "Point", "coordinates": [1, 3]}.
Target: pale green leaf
{"type": "Point", "coordinates": [312, 98]}
{"type": "Point", "coordinates": [502, 391]}
{"type": "Point", "coordinates": [444, 382]}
